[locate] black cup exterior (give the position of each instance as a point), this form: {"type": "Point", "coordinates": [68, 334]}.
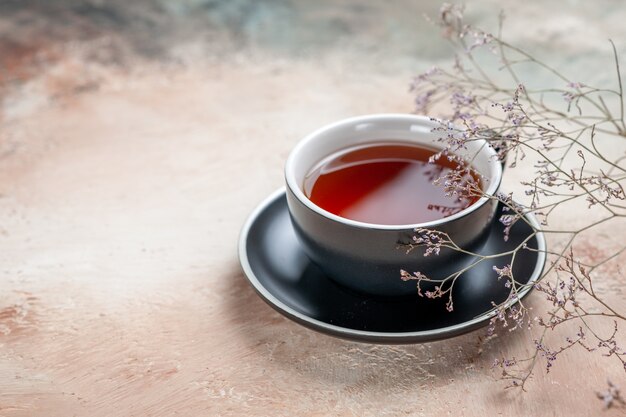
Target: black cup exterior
{"type": "Point", "coordinates": [369, 259]}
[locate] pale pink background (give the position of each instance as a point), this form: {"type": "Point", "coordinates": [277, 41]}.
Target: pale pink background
{"type": "Point", "coordinates": [135, 138]}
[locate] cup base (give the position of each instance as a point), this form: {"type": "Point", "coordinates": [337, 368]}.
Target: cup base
{"type": "Point", "coordinates": [277, 268]}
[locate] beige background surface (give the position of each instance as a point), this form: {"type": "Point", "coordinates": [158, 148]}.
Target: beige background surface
{"type": "Point", "coordinates": [134, 141]}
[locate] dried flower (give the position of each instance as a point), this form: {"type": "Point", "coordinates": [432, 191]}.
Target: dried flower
{"type": "Point", "coordinates": [559, 128]}
{"type": "Point", "coordinates": [612, 396]}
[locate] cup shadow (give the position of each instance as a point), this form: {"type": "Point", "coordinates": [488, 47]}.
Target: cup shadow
{"type": "Point", "coordinates": [278, 262]}
{"type": "Point", "coordinates": [292, 349]}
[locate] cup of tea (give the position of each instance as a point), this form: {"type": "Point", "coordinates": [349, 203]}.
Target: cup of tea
{"type": "Point", "coordinates": [358, 189]}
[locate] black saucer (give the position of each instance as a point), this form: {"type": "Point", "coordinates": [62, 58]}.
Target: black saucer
{"type": "Point", "coordinates": [284, 277]}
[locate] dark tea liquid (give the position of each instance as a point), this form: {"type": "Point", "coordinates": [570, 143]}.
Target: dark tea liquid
{"type": "Point", "coordinates": [389, 184]}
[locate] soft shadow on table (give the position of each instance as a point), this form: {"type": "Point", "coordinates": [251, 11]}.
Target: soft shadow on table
{"type": "Point", "coordinates": [295, 349]}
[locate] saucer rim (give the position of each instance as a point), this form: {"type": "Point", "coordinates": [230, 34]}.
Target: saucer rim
{"type": "Point", "coordinates": [365, 335]}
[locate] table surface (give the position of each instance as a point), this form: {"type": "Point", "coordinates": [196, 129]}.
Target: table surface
{"type": "Point", "coordinates": [136, 137]}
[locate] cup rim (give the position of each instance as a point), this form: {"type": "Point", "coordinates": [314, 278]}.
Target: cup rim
{"type": "Point", "coordinates": [293, 186]}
